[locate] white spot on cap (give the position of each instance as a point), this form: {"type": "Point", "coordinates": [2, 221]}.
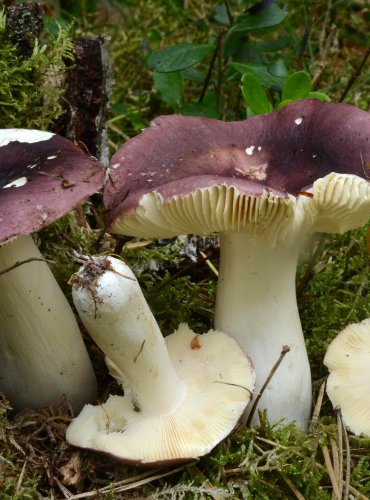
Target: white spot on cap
{"type": "Point", "coordinates": [259, 148]}
{"type": "Point", "coordinates": [249, 150]}
{"type": "Point", "coordinates": [115, 165]}
{"type": "Point", "coordinates": [8, 135]}
{"type": "Point", "coordinates": [314, 156]}
{"type": "Point", "coordinates": [298, 121]}
{"type": "Point", "coordinates": [32, 166]}
{"type": "Point", "coordinates": [17, 183]}
{"type": "Point", "coordinates": [51, 157]}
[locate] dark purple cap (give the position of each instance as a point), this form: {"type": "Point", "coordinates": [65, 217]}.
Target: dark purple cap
{"type": "Point", "coordinates": [282, 152]}
{"type": "Point", "coordinates": [42, 176]}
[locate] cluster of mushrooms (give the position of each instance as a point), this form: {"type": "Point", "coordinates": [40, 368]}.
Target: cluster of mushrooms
{"type": "Point", "coordinates": [264, 185]}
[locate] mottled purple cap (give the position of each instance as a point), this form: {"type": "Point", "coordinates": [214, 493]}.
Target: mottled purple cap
{"type": "Point", "coordinates": [282, 153]}
{"type": "Point", "coordinates": [42, 176]}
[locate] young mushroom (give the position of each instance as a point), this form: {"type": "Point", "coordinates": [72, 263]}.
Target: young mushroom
{"type": "Point", "coordinates": [348, 385]}
{"type": "Point", "coordinates": [263, 184]}
{"type": "Point", "coordinates": [183, 395]}
{"type": "Point", "coordinates": [42, 354]}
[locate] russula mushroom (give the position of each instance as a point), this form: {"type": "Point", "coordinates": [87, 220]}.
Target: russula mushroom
{"type": "Point", "coordinates": [348, 385]}
{"type": "Point", "coordinates": [42, 354]}
{"type": "Point", "coordinates": [183, 395]}
{"type": "Point", "coordinates": [263, 184]}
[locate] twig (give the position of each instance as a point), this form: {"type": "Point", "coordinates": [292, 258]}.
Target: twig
{"type": "Point", "coordinates": [317, 409]}
{"type": "Point", "coordinates": [21, 262]}
{"type": "Point", "coordinates": [284, 351]}
{"type": "Point", "coordinates": [305, 38]}
{"type": "Point", "coordinates": [355, 75]}
{"type": "Point", "coordinates": [211, 66]}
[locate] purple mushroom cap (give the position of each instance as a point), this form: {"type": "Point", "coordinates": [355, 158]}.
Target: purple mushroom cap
{"type": "Point", "coordinates": [283, 152]}
{"type": "Point", "coordinates": [42, 176]}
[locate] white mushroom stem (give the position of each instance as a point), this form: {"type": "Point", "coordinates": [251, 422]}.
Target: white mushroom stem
{"type": "Point", "coordinates": [116, 315]}
{"type": "Point", "coordinates": [256, 305]}
{"type": "Point", "coordinates": [42, 354]}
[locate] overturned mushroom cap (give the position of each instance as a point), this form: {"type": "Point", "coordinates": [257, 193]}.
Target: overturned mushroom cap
{"type": "Point", "coordinates": [189, 174]}
{"type": "Point", "coordinates": [348, 385]}
{"type": "Point", "coordinates": [42, 176]}
{"type": "Point", "coordinates": [219, 379]}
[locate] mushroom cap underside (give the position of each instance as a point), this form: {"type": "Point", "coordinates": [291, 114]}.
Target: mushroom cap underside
{"type": "Point", "coordinates": [348, 385]}
{"type": "Point", "coordinates": [335, 203]}
{"type": "Point", "coordinates": [43, 176]}
{"type": "Point", "coordinates": [219, 378]}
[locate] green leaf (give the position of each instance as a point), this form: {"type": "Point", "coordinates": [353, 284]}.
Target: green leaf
{"type": "Point", "coordinates": [169, 86]}
{"type": "Point", "coordinates": [297, 86]}
{"type": "Point", "coordinates": [207, 108]}
{"type": "Point", "coordinates": [265, 19]}
{"type": "Point", "coordinates": [178, 57]}
{"type": "Point", "coordinates": [318, 95]}
{"type": "Point", "coordinates": [246, 23]}
{"type": "Point", "coordinates": [261, 72]}
{"type": "Point", "coordinates": [255, 95]}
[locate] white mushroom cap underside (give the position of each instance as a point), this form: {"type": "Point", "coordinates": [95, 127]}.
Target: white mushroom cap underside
{"type": "Point", "coordinates": [339, 202]}
{"type": "Point", "coordinates": [205, 210]}
{"type": "Point", "coordinates": [219, 379]}
{"type": "Point", "coordinates": [348, 386]}
{"type": "Point", "coordinates": [342, 202]}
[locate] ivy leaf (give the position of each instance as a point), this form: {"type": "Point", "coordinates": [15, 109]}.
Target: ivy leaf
{"type": "Point", "coordinates": [255, 95]}
{"type": "Point", "coordinates": [178, 57]}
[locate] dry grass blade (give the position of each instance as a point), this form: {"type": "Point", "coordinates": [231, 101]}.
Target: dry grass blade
{"type": "Point", "coordinates": [336, 465]}
{"type": "Point", "coordinates": [292, 487]}
{"type": "Point", "coordinates": [330, 469]}
{"type": "Point", "coordinates": [348, 459]}
{"type": "Point", "coordinates": [21, 476]}
{"type": "Point", "coordinates": [128, 484]}
{"type": "Point", "coordinates": [340, 450]}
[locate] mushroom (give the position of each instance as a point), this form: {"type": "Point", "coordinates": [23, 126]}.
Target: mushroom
{"type": "Point", "coordinates": [183, 395]}
{"type": "Point", "coordinates": [348, 385]}
{"type": "Point", "coordinates": [263, 184]}
{"type": "Point", "coordinates": [42, 354]}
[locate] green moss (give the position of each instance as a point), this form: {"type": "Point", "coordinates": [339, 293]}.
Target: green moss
{"type": "Point", "coordinates": [30, 87]}
{"type": "Point", "coordinates": [334, 291]}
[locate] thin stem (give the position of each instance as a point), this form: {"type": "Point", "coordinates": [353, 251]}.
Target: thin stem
{"type": "Point", "coordinates": [21, 262]}
{"type": "Point", "coordinates": [284, 351]}
{"type": "Point", "coordinates": [355, 75]}
{"type": "Point", "coordinates": [304, 42]}
{"type": "Point", "coordinates": [211, 66]}
{"type": "Point", "coordinates": [229, 12]}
